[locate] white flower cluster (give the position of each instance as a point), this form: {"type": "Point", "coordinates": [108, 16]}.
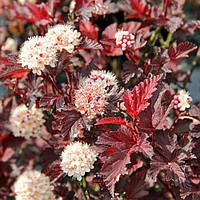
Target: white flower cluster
{"type": "Point", "coordinates": [64, 37]}
{"type": "Point", "coordinates": [33, 185]}
{"type": "Point", "coordinates": [38, 51]}
{"type": "Point", "coordinates": [77, 158]}
{"type": "Point", "coordinates": [92, 95]}
{"type": "Point", "coordinates": [124, 39]}
{"type": "Point", "coordinates": [26, 123]}
{"type": "Point", "coordinates": [181, 100]}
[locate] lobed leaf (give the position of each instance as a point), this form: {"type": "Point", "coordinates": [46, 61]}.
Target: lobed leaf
{"type": "Point", "coordinates": [135, 8]}
{"type": "Point", "coordinates": [171, 158]}
{"type": "Point", "coordinates": [67, 122]}
{"type": "Point", "coordinates": [136, 101]}
{"type": "Point", "coordinates": [88, 30]}
{"type": "Point", "coordinates": [38, 11]}
{"type": "Point", "coordinates": [121, 144]}
{"type": "Point", "coordinates": [181, 51]}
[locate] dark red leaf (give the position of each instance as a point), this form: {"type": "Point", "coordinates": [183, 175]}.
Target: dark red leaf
{"type": "Point", "coordinates": [90, 44]}
{"type": "Point", "coordinates": [113, 120]}
{"type": "Point", "coordinates": [135, 8]}
{"type": "Point", "coordinates": [173, 23]}
{"type": "Point", "coordinates": [47, 100]}
{"type": "Point", "coordinates": [5, 61]}
{"type": "Point", "coordinates": [136, 101]}
{"type": "Point", "coordinates": [195, 132]}
{"type": "Point", "coordinates": [38, 11]}
{"type": "Point", "coordinates": [139, 8]}
{"type": "Point", "coordinates": [14, 71]}
{"type": "Point", "coordinates": [182, 126]}
{"type": "Point", "coordinates": [88, 30]}
{"type": "Point", "coordinates": [161, 112]}
{"type": "Point", "coordinates": [53, 170]}
{"type": "Point", "coordinates": [135, 185]}
{"type": "Point", "coordinates": [139, 43]}
{"type": "Point", "coordinates": [193, 193]}
{"type": "Point", "coordinates": [195, 111]}
{"type": "Point", "coordinates": [115, 157]}
{"type": "Point", "coordinates": [181, 51]}
{"type": "Point", "coordinates": [67, 122]}
{"type": "Point", "coordinates": [109, 32]}
{"type": "Point", "coordinates": [131, 27]}
{"type": "Point", "coordinates": [171, 159]}
{"type": "Point", "coordinates": [3, 137]}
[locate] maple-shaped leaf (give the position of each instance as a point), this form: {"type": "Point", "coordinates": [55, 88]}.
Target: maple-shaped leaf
{"type": "Point", "coordinates": [119, 147]}
{"type": "Point", "coordinates": [88, 30]}
{"type": "Point", "coordinates": [136, 101]}
{"type": "Point", "coordinates": [155, 116]}
{"type": "Point", "coordinates": [175, 54]}
{"type": "Point", "coordinates": [22, 12]}
{"type": "Point", "coordinates": [181, 51]}
{"type": "Point", "coordinates": [38, 11]}
{"type": "Point", "coordinates": [139, 8]}
{"type": "Point", "coordinates": [68, 121]}
{"type": "Point", "coordinates": [171, 158]}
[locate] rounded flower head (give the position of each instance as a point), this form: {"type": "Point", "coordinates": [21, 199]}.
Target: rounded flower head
{"type": "Point", "coordinates": [92, 95]}
{"type": "Point", "coordinates": [77, 159]}
{"type": "Point", "coordinates": [124, 39]}
{"type": "Point", "coordinates": [181, 100]}
{"type": "Point", "coordinates": [64, 37]}
{"type": "Point", "coordinates": [33, 185]}
{"type": "Point", "coordinates": [26, 123]}
{"type": "Point", "coordinates": [90, 100]}
{"type": "Point", "coordinates": [37, 52]}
